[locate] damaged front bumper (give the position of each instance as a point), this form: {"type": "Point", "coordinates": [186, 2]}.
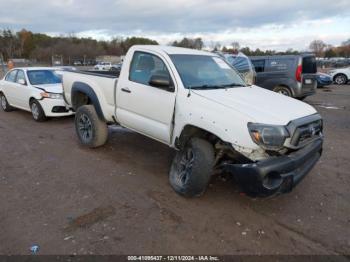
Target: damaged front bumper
{"type": "Point", "coordinates": [277, 174]}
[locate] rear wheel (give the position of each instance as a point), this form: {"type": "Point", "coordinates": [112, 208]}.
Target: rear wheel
{"type": "Point", "coordinates": [340, 79]}
{"type": "Point", "coordinates": [283, 90]}
{"type": "Point", "coordinates": [91, 130]}
{"type": "Point", "coordinates": [37, 111]}
{"type": "Point", "coordinates": [192, 168]}
{"type": "Point", "coordinates": [4, 104]}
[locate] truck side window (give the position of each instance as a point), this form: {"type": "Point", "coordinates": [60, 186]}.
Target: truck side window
{"type": "Point", "coordinates": [259, 65]}
{"type": "Point", "coordinates": [144, 65]}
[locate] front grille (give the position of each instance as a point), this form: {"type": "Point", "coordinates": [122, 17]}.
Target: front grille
{"type": "Point", "coordinates": [306, 133]}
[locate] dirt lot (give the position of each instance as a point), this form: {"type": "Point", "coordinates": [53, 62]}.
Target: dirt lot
{"type": "Point", "coordinates": [116, 200]}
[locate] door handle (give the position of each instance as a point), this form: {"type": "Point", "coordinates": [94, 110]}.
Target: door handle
{"type": "Point", "coordinates": [126, 90]}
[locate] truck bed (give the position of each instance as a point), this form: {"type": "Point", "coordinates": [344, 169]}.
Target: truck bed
{"type": "Point", "coordinates": [110, 74]}
{"type": "Point", "coordinates": [102, 85]}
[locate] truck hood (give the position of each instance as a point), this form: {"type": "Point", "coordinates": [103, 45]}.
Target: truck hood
{"type": "Point", "coordinates": [51, 88]}
{"type": "Point", "coordinates": [261, 105]}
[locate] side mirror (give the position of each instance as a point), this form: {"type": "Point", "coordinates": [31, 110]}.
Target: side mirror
{"type": "Point", "coordinates": [21, 82]}
{"type": "Point", "coordinates": [162, 82]}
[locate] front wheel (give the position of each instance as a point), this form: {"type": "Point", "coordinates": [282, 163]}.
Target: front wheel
{"type": "Point", "coordinates": [4, 104]}
{"type": "Point", "coordinates": [37, 111]}
{"type": "Point", "coordinates": [340, 79]}
{"type": "Point", "coordinates": [91, 130]}
{"type": "Point", "coordinates": [192, 168]}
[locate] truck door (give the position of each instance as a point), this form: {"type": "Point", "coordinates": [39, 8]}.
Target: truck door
{"type": "Point", "coordinates": [142, 107]}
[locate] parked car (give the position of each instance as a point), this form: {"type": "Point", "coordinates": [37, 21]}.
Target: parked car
{"type": "Point", "coordinates": [243, 65]}
{"type": "Point", "coordinates": [195, 102]}
{"type": "Point", "coordinates": [116, 67]}
{"type": "Point", "coordinates": [77, 63]}
{"type": "Point", "coordinates": [290, 75]}
{"type": "Point", "coordinates": [340, 76]}
{"type": "Point", "coordinates": [57, 63]}
{"type": "Point", "coordinates": [103, 66]}
{"type": "Point", "coordinates": [65, 68]}
{"type": "Point", "coordinates": [38, 90]}
{"type": "Point", "coordinates": [323, 80]}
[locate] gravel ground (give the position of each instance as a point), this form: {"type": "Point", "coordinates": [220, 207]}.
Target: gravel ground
{"type": "Point", "coordinates": [116, 199]}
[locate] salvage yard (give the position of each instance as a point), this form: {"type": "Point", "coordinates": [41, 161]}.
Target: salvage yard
{"type": "Point", "coordinates": [67, 199]}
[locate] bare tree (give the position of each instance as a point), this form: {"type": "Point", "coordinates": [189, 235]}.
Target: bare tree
{"type": "Point", "coordinates": [317, 46]}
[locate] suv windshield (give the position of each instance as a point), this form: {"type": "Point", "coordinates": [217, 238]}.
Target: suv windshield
{"type": "Point", "coordinates": [43, 77]}
{"type": "Point", "coordinates": [206, 72]}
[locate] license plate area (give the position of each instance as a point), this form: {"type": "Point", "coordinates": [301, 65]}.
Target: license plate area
{"type": "Point", "coordinates": [308, 81]}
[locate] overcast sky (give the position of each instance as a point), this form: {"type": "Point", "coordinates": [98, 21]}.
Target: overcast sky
{"type": "Point", "coordinates": [265, 24]}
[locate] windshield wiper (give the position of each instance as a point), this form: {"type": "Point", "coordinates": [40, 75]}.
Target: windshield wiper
{"type": "Point", "coordinates": [202, 87]}
{"type": "Point", "coordinates": [215, 86]}
{"type": "Point", "coordinates": [230, 85]}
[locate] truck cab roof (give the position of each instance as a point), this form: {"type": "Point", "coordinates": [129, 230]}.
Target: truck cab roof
{"type": "Point", "coordinates": [171, 50]}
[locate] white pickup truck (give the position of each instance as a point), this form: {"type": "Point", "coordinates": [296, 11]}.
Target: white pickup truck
{"type": "Point", "coordinates": [196, 103]}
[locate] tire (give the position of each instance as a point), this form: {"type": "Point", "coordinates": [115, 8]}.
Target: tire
{"type": "Point", "coordinates": [340, 79]}
{"type": "Point", "coordinates": [37, 111]}
{"type": "Point", "coordinates": [91, 130]}
{"type": "Point", "coordinates": [192, 167]}
{"type": "Point", "coordinates": [283, 90]}
{"type": "Point", "coordinates": [4, 104]}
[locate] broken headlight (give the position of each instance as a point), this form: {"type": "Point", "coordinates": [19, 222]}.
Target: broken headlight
{"type": "Point", "coordinates": [270, 137]}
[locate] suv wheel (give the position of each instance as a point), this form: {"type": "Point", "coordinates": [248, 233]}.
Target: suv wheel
{"type": "Point", "coordinates": [4, 104]}
{"type": "Point", "coordinates": [283, 90]}
{"type": "Point", "coordinates": [192, 168]}
{"type": "Point", "coordinates": [91, 130]}
{"type": "Point", "coordinates": [340, 79]}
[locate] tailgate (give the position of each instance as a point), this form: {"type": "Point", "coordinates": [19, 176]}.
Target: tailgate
{"type": "Point", "coordinates": [309, 83]}
{"type": "Point", "coordinates": [309, 70]}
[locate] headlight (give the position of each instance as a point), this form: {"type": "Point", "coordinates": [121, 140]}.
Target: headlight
{"type": "Point", "coordinates": [51, 95]}
{"type": "Point", "coordinates": [270, 137]}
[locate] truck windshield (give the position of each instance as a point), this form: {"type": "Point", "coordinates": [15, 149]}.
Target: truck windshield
{"type": "Point", "coordinates": [43, 77]}
{"type": "Point", "coordinates": [206, 72]}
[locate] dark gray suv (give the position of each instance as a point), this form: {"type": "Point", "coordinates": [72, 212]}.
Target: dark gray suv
{"type": "Point", "coordinates": [291, 75]}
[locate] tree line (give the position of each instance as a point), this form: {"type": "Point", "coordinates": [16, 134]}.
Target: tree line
{"type": "Point", "coordinates": [41, 47]}
{"type": "Point", "coordinates": [321, 49]}
{"type": "Point", "coordinates": [197, 43]}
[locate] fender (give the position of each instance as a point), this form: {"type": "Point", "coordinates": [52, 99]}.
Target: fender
{"type": "Point", "coordinates": [79, 87]}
